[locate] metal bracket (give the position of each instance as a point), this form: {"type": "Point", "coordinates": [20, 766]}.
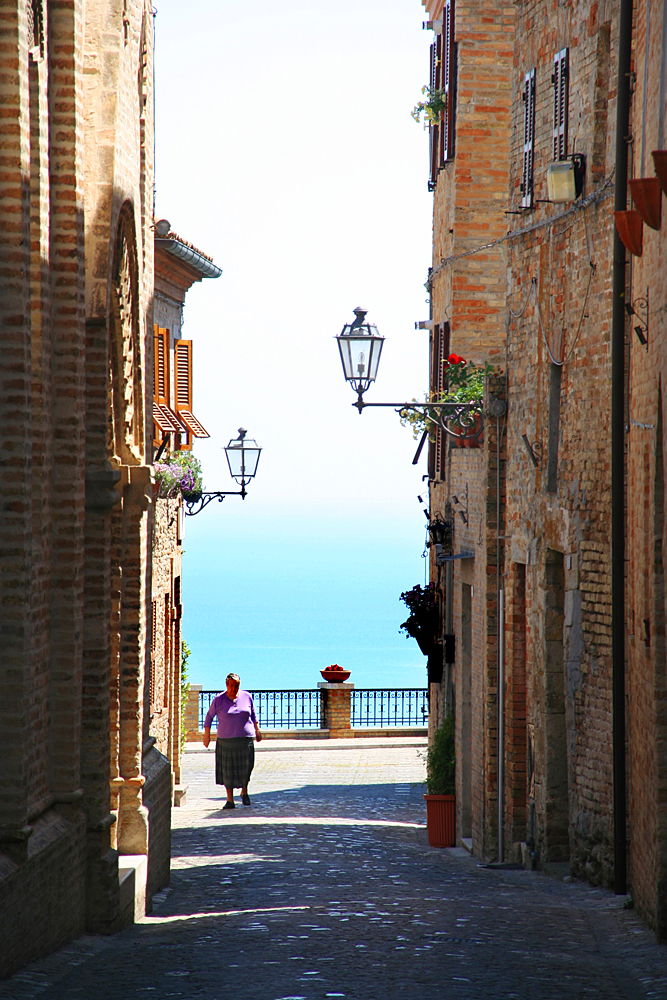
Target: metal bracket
{"type": "Point", "coordinates": [196, 503]}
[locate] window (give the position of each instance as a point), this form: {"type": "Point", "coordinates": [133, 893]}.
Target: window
{"type": "Point", "coordinates": [179, 421]}
{"type": "Point", "coordinates": [528, 140]}
{"type": "Point", "coordinates": [443, 78]}
{"type": "Point", "coordinates": [561, 100]}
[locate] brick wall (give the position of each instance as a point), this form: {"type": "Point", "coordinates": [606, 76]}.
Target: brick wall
{"type": "Point", "coordinates": [645, 594]}
{"type": "Point", "coordinates": [74, 549]}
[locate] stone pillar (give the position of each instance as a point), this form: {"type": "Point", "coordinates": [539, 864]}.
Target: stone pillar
{"type": "Point", "coordinates": [133, 815]}
{"type": "Point", "coordinates": [192, 714]}
{"type": "Point", "coordinates": [336, 709]}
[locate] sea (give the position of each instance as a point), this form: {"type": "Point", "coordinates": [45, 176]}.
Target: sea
{"type": "Point", "coordinates": [278, 605]}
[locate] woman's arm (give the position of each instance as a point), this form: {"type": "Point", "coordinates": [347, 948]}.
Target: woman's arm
{"type": "Point", "coordinates": [207, 736]}
{"type": "Point", "coordinates": [254, 720]}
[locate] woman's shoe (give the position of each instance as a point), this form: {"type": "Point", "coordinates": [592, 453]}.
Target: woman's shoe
{"type": "Point", "coordinates": [245, 799]}
{"type": "Point", "coordinates": [229, 805]}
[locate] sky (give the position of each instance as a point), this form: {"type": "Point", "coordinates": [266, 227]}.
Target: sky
{"type": "Point", "coordinates": [285, 149]}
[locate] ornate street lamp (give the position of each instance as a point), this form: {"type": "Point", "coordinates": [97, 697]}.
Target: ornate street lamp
{"type": "Point", "coordinates": [360, 346]}
{"type": "Point", "coordinates": [242, 458]}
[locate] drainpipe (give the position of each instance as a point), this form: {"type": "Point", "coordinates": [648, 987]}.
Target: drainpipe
{"type": "Point", "coordinates": [501, 721]}
{"type": "Point", "coordinates": [618, 450]}
{"type": "Point", "coordinates": [449, 629]}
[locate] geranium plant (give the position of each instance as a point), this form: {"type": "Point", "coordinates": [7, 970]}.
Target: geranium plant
{"type": "Point", "coordinates": [464, 381]}
{"type": "Point", "coordinates": [179, 473]}
{"type": "Point", "coordinates": [431, 108]}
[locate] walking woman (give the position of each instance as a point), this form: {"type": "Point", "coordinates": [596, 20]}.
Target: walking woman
{"type": "Point", "coordinates": [234, 747]}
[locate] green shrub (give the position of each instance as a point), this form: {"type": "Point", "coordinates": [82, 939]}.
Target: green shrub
{"type": "Point", "coordinates": [441, 761]}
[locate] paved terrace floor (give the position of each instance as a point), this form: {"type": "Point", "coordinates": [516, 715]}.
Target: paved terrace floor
{"type": "Point", "coordinates": [326, 887]}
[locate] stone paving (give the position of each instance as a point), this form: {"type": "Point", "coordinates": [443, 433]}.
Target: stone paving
{"type": "Point", "coordinates": [326, 887]}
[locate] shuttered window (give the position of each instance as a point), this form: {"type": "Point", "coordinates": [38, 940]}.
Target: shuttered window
{"type": "Point", "coordinates": [435, 131]}
{"type": "Point", "coordinates": [560, 80]}
{"type": "Point", "coordinates": [448, 79]}
{"type": "Point", "coordinates": [183, 391]}
{"type": "Point", "coordinates": [528, 140]}
{"type": "Point", "coordinates": [439, 351]}
{"type": "Point", "coordinates": [443, 78]}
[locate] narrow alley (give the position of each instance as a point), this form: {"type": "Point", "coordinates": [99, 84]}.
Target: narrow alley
{"type": "Point", "coordinates": [326, 887]}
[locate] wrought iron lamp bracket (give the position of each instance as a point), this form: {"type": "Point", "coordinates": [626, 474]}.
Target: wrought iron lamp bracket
{"type": "Point", "coordinates": [462, 415]}
{"type": "Point", "coordinates": [638, 312]}
{"type": "Point", "coordinates": [197, 504]}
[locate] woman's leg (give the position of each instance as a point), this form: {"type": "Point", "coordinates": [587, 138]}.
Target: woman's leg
{"type": "Point", "coordinates": [230, 793]}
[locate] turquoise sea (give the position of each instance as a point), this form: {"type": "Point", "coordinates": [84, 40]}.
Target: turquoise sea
{"type": "Point", "coordinates": [278, 608]}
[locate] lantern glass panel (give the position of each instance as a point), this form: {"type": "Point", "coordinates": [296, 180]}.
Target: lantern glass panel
{"type": "Point", "coordinates": [360, 356]}
{"type": "Point", "coordinates": [243, 458]}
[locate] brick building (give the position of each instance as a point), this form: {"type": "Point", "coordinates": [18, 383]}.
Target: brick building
{"type": "Point", "coordinates": [84, 792]}
{"type": "Point", "coordinates": [178, 265]}
{"type": "Point", "coordinates": [471, 61]}
{"type": "Point", "coordinates": [535, 500]}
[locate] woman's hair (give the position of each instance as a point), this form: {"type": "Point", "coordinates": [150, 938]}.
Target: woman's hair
{"type": "Point", "coordinates": [233, 677]}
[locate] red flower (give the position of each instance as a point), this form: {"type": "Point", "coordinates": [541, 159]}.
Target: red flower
{"type": "Point", "coordinates": [454, 359]}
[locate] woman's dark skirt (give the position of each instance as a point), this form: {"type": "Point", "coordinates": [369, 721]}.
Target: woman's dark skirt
{"type": "Point", "coordinates": [234, 761]}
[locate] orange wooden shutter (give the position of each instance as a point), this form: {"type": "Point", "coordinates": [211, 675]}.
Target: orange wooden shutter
{"type": "Point", "coordinates": [161, 383]}
{"type": "Point", "coordinates": [183, 375]}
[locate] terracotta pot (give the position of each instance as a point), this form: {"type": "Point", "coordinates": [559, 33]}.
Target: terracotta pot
{"type": "Point", "coordinates": [647, 196]}
{"type": "Point", "coordinates": [335, 676]}
{"type": "Point", "coordinates": [630, 227]}
{"type": "Point", "coordinates": [441, 820]}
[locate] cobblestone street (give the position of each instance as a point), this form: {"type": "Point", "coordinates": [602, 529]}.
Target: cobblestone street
{"type": "Point", "coordinates": [326, 887]}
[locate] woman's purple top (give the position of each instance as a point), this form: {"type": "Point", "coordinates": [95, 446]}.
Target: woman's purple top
{"type": "Point", "coordinates": [235, 718]}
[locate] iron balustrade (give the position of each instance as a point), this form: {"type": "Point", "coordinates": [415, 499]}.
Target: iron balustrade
{"type": "Point", "coordinates": [382, 708]}
{"type": "Point", "coordinates": [376, 708]}
{"type": "Point", "coordinates": [277, 709]}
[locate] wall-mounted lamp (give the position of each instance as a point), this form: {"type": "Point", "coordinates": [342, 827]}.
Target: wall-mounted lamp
{"type": "Point", "coordinates": [565, 178]}
{"type": "Point", "coordinates": [360, 346]}
{"type": "Point", "coordinates": [242, 458]}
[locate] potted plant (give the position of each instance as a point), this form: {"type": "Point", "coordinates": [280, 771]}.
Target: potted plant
{"type": "Point", "coordinates": [431, 108]}
{"type": "Point", "coordinates": [422, 622]}
{"type": "Point", "coordinates": [440, 782]}
{"type": "Point", "coordinates": [179, 474]}
{"type": "Point", "coordinates": [464, 383]}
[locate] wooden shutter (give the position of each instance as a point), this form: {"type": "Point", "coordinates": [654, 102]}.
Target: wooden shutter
{"type": "Point", "coordinates": [161, 360]}
{"type": "Point", "coordinates": [183, 389]}
{"type": "Point", "coordinates": [448, 80]}
{"type": "Point", "coordinates": [528, 140]}
{"type": "Point", "coordinates": [560, 81]}
{"type": "Point", "coordinates": [439, 351]}
{"type": "Point", "coordinates": [434, 132]}
{"type": "Point", "coordinates": [183, 374]}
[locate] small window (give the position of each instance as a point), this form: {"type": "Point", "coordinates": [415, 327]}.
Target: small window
{"type": "Point", "coordinates": [527, 178]}
{"type": "Point", "coordinates": [183, 393]}
{"type": "Point", "coordinates": [561, 101]}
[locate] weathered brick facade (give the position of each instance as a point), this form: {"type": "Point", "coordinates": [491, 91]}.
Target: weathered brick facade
{"type": "Point", "coordinates": [76, 266]}
{"type": "Point", "coordinates": [538, 303]}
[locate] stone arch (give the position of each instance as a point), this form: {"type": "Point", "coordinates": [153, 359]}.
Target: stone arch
{"type": "Point", "coordinates": [126, 410]}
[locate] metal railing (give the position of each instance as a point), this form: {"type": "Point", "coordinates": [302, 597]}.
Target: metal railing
{"type": "Point", "coordinates": [277, 709]}
{"type": "Point", "coordinates": [382, 708]}
{"type": "Point", "coordinates": [376, 708]}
